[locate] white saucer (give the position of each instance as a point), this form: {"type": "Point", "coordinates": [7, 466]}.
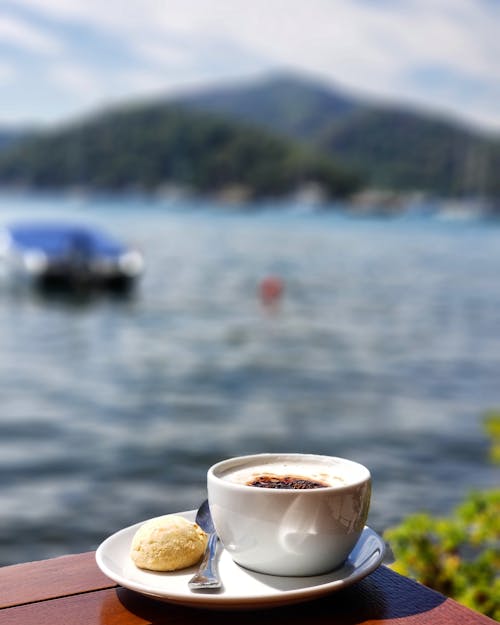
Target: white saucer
{"type": "Point", "coordinates": [242, 588]}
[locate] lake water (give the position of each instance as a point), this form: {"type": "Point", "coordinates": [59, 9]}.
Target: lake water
{"type": "Point", "coordinates": [385, 349]}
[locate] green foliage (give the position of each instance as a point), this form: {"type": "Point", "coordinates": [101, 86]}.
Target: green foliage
{"type": "Point", "coordinates": [150, 146]}
{"type": "Point", "coordinates": [393, 148]}
{"type": "Point", "coordinates": [267, 137]}
{"type": "Point", "coordinates": [460, 555]}
{"type": "Point", "coordinates": [492, 426]}
{"type": "Point", "coordinates": [402, 150]}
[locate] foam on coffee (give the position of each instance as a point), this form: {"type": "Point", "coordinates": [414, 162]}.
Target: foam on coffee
{"type": "Point", "coordinates": [288, 475]}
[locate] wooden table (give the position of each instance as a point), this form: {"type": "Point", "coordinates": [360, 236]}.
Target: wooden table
{"type": "Point", "coordinates": [71, 590]}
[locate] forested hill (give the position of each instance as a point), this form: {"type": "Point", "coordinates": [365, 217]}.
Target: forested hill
{"type": "Point", "coordinates": [265, 138]}
{"type": "Point", "coordinates": [150, 146]}
{"type": "Point", "coordinates": [8, 137]}
{"type": "Point", "coordinates": [392, 147]}
{"type": "Point", "coordinates": [293, 106]}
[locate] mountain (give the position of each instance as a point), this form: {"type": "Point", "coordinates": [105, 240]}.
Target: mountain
{"type": "Point", "coordinates": [266, 138]}
{"type": "Point", "coordinates": [392, 147]}
{"type": "Point", "coordinates": [403, 150]}
{"type": "Point", "coordinates": [150, 146]}
{"type": "Point", "coordinates": [294, 106]}
{"type": "Point", "coordinates": [9, 136]}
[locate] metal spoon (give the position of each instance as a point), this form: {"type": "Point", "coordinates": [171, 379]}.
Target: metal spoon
{"type": "Point", "coordinates": [207, 575]}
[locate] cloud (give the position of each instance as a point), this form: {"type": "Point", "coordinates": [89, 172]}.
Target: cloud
{"type": "Point", "coordinates": [23, 35]}
{"type": "Point", "coordinates": [381, 48]}
{"type": "Point", "coordinates": [75, 79]}
{"type": "Point", "coordinates": [166, 53]}
{"type": "Point", "coordinates": [6, 73]}
{"type": "Point", "coordinates": [331, 34]}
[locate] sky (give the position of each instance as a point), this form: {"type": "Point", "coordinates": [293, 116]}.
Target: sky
{"type": "Point", "coordinates": [60, 59]}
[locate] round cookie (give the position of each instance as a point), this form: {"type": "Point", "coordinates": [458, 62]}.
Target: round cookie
{"type": "Point", "coordinates": [168, 543]}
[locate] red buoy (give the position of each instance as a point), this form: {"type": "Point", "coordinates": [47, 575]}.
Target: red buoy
{"type": "Point", "coordinates": [271, 290]}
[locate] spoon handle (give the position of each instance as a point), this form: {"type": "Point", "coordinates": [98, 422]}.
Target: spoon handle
{"type": "Point", "coordinates": [207, 576]}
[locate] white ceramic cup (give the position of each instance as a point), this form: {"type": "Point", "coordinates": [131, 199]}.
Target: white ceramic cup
{"type": "Point", "coordinates": [286, 531]}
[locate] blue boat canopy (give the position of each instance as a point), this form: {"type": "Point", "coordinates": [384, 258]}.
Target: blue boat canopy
{"type": "Point", "coordinates": [59, 239]}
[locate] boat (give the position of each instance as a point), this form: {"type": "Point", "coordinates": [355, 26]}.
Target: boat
{"type": "Point", "coordinates": [61, 256]}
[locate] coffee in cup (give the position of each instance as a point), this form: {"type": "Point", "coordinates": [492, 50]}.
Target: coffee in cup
{"type": "Point", "coordinates": [289, 514]}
